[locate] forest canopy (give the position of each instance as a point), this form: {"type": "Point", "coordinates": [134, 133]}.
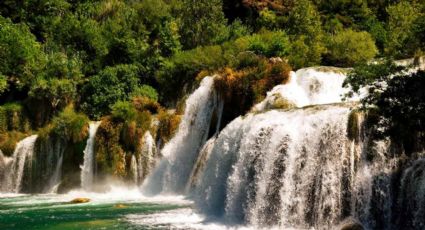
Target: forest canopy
{"type": "Point", "coordinates": [98, 55]}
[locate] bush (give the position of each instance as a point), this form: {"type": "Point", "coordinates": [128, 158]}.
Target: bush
{"type": "Point", "coordinates": [8, 141]}
{"type": "Point", "coordinates": [168, 125]}
{"type": "Point", "coordinates": [395, 97]}
{"type": "Point", "coordinates": [350, 47]}
{"type": "Point", "coordinates": [70, 125]}
{"type": "Point", "coordinates": [123, 111]}
{"type": "Point", "coordinates": [20, 54]}
{"type": "Point", "coordinates": [270, 44]}
{"type": "Point", "coordinates": [146, 104]}
{"type": "Point", "coordinates": [401, 18]}
{"type": "Point", "coordinates": [202, 22]}
{"type": "Point", "coordinates": [108, 87]}
{"type": "Point", "coordinates": [13, 118]}
{"type": "Point", "coordinates": [3, 84]}
{"type": "Point", "coordinates": [145, 91]}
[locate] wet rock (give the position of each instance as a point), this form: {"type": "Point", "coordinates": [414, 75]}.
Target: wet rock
{"type": "Point", "coordinates": [79, 200]}
{"type": "Point", "coordinates": [352, 226]}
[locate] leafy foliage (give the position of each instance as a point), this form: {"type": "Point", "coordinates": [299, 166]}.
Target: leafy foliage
{"type": "Point", "coordinates": [109, 86]}
{"type": "Point", "coordinates": [349, 47]}
{"type": "Point", "coordinates": [94, 54]}
{"type": "Point", "coordinates": [395, 97]}
{"type": "Point", "coordinates": [70, 125]}
{"type": "Point", "coordinates": [202, 22]}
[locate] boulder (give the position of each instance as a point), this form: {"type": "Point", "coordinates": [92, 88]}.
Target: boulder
{"type": "Point", "coordinates": [79, 200]}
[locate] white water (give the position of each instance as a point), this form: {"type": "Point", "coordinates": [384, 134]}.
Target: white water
{"type": "Point", "coordinates": [14, 168]}
{"type": "Point", "coordinates": [310, 86]}
{"type": "Point", "coordinates": [133, 168]}
{"type": "Point", "coordinates": [55, 180]}
{"type": "Point", "coordinates": [146, 158]}
{"type": "Point", "coordinates": [263, 169]}
{"type": "Point", "coordinates": [180, 154]}
{"type": "Point", "coordinates": [308, 166]}
{"type": "Point", "coordinates": [87, 169]}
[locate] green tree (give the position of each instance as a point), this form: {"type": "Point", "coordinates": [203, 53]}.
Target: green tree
{"type": "Point", "coordinates": [350, 47]}
{"type": "Point", "coordinates": [3, 84]}
{"type": "Point", "coordinates": [109, 86]}
{"type": "Point", "coordinates": [401, 18]}
{"type": "Point", "coordinates": [304, 24]}
{"type": "Point", "coordinates": [269, 44]}
{"type": "Point", "coordinates": [21, 56]}
{"type": "Point", "coordinates": [202, 22]}
{"type": "Point", "coordinates": [145, 91]}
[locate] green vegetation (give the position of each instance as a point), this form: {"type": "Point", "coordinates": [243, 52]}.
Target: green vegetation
{"type": "Point", "coordinates": [127, 62]}
{"type": "Point", "coordinates": [395, 101]}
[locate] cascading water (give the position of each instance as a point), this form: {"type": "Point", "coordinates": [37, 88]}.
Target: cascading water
{"type": "Point", "coordinates": [4, 168]}
{"type": "Point", "coordinates": [21, 159]}
{"type": "Point", "coordinates": [146, 158]}
{"type": "Point", "coordinates": [87, 169]}
{"type": "Point", "coordinates": [312, 163]}
{"type": "Point", "coordinates": [180, 154]}
{"type": "Point", "coordinates": [310, 86]}
{"type": "Point", "coordinates": [134, 170]}
{"type": "Point", "coordinates": [55, 180]}
{"type": "Point", "coordinates": [277, 163]}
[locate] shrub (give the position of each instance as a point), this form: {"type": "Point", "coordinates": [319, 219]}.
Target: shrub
{"type": "Point", "coordinates": [350, 47]}
{"type": "Point", "coordinates": [123, 111]}
{"type": "Point", "coordinates": [270, 44]}
{"type": "Point", "coordinates": [13, 118]}
{"type": "Point", "coordinates": [3, 84]}
{"type": "Point", "coordinates": [146, 104]}
{"type": "Point", "coordinates": [168, 125]}
{"type": "Point", "coordinates": [70, 125]}
{"type": "Point", "coordinates": [145, 91]}
{"type": "Point", "coordinates": [111, 85]}
{"type": "Point", "coordinates": [8, 141]}
{"type": "Point", "coordinates": [20, 54]}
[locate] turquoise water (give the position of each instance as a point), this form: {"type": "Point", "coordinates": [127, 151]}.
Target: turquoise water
{"type": "Point", "coordinates": [118, 210]}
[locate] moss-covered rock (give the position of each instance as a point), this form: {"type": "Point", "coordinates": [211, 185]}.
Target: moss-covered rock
{"type": "Point", "coordinates": [13, 117]}
{"type": "Point", "coordinates": [80, 200]}
{"type": "Point", "coordinates": [168, 123]}
{"type": "Point", "coordinates": [354, 125]}
{"type": "Point", "coordinates": [8, 141]}
{"type": "Point", "coordinates": [240, 88]}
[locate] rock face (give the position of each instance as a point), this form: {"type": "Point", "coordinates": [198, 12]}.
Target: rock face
{"type": "Point", "coordinates": [352, 225]}
{"type": "Point", "coordinates": [79, 200]}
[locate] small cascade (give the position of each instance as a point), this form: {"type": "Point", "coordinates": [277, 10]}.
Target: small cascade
{"type": "Point", "coordinates": [304, 158]}
{"type": "Point", "coordinates": [266, 168]}
{"type": "Point", "coordinates": [309, 86]}
{"type": "Point", "coordinates": [4, 168]}
{"type": "Point", "coordinates": [87, 169]}
{"type": "Point", "coordinates": [146, 158]}
{"type": "Point", "coordinates": [204, 155]}
{"type": "Point", "coordinates": [411, 203]}
{"type": "Point", "coordinates": [180, 154]}
{"type": "Point", "coordinates": [134, 170]}
{"type": "Point", "coordinates": [55, 180]}
{"type": "Point", "coordinates": [21, 162]}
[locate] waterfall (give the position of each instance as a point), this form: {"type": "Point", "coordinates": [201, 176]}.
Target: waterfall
{"type": "Point", "coordinates": [146, 158]}
{"type": "Point", "coordinates": [55, 180]}
{"type": "Point", "coordinates": [134, 170]}
{"type": "Point", "coordinates": [180, 154]}
{"type": "Point", "coordinates": [304, 158]}
{"type": "Point", "coordinates": [4, 168]}
{"type": "Point", "coordinates": [412, 201]}
{"type": "Point", "coordinates": [87, 169]}
{"type": "Point", "coordinates": [268, 168]}
{"type": "Point", "coordinates": [309, 86]}
{"type": "Point", "coordinates": [15, 168]}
